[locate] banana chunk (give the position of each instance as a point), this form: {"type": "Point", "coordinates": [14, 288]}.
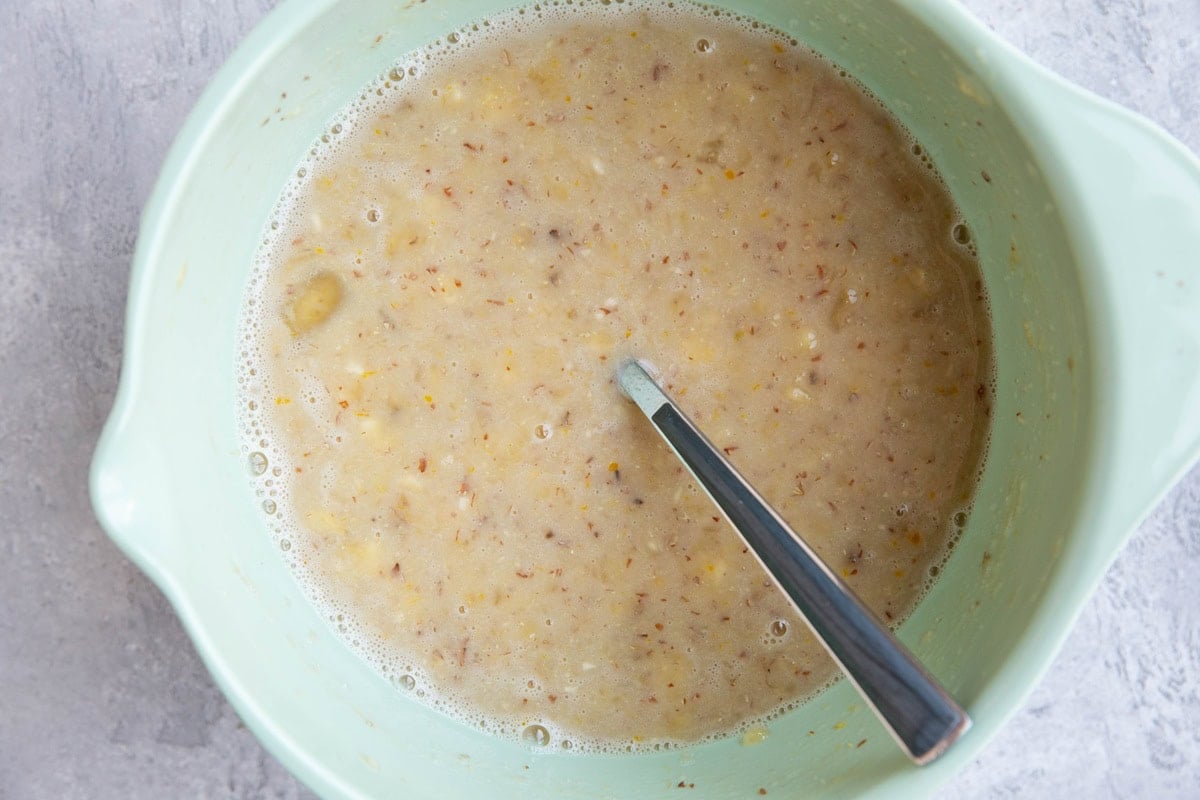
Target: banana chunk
{"type": "Point", "coordinates": [314, 304]}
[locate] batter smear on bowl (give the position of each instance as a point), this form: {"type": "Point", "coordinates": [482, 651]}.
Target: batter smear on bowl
{"type": "Point", "coordinates": [436, 317]}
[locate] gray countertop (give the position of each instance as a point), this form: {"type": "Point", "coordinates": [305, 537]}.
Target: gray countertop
{"type": "Point", "coordinates": [101, 693]}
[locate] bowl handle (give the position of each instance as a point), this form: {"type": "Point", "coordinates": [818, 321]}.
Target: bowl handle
{"type": "Point", "coordinates": [1133, 192]}
{"type": "Point", "coordinates": [127, 492]}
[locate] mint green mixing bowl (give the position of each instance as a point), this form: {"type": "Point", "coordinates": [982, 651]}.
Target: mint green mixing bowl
{"type": "Point", "coordinates": [1087, 220]}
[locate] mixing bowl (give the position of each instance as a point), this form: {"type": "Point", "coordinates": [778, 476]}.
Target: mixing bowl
{"type": "Point", "coordinates": [1087, 221]}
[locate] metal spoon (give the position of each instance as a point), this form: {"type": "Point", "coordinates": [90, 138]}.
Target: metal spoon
{"type": "Point", "coordinates": [915, 709]}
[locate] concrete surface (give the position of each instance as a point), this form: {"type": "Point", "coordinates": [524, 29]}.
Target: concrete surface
{"type": "Point", "coordinates": [101, 694]}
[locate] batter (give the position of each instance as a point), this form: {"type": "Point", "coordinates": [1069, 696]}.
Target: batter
{"type": "Point", "coordinates": [473, 249]}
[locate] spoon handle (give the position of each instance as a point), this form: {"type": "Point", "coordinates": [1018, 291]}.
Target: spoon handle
{"type": "Point", "coordinates": [918, 712]}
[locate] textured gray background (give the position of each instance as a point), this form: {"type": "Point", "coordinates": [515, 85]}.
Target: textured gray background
{"type": "Point", "coordinates": [102, 695]}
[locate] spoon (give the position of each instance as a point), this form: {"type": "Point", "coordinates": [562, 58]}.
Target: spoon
{"type": "Point", "coordinates": [910, 703]}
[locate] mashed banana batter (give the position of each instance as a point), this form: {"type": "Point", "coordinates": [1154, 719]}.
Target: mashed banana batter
{"type": "Point", "coordinates": [484, 237]}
